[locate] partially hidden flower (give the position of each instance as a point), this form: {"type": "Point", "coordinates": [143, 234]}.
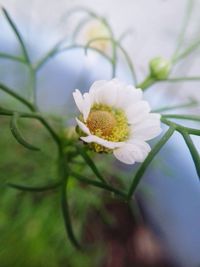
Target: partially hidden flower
{"type": "Point", "coordinates": [114, 118]}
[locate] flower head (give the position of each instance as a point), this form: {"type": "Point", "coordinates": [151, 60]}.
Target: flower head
{"type": "Point", "coordinates": [114, 118]}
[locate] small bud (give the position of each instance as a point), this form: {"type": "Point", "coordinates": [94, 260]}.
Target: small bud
{"type": "Point", "coordinates": [160, 68]}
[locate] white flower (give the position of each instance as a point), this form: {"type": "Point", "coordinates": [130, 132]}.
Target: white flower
{"type": "Point", "coordinates": [114, 118]}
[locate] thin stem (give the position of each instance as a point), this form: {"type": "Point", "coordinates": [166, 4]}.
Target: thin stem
{"type": "Point", "coordinates": [17, 134]}
{"type": "Point", "coordinates": [54, 52]}
{"type": "Point", "coordinates": [17, 33]}
{"type": "Point", "coordinates": [37, 116]}
{"type": "Point", "coordinates": [109, 188]}
{"type": "Point", "coordinates": [90, 163]}
{"type": "Point", "coordinates": [179, 127]}
{"type": "Point", "coordinates": [128, 60]}
{"type": "Point", "coordinates": [183, 79]}
{"type": "Point", "coordinates": [33, 86]}
{"type": "Point", "coordinates": [193, 151]}
{"type": "Point", "coordinates": [64, 173]}
{"type": "Point", "coordinates": [186, 21]}
{"type": "Point", "coordinates": [187, 51]}
{"type": "Point", "coordinates": [139, 174]}
{"type": "Point", "coordinates": [192, 103]}
{"type": "Point", "coordinates": [13, 58]}
{"type": "Point", "coordinates": [148, 81]}
{"type": "Point", "coordinates": [17, 96]}
{"type": "Point", "coordinates": [182, 117]}
{"type": "Point", "coordinates": [35, 188]}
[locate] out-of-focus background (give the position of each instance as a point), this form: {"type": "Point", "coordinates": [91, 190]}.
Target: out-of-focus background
{"type": "Point", "coordinates": [32, 233]}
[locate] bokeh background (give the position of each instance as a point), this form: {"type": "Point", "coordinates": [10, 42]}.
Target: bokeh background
{"type": "Point", "coordinates": [32, 233]}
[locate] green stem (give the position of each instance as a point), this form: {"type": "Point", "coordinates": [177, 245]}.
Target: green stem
{"type": "Point", "coordinates": [146, 83]}
{"type": "Point", "coordinates": [117, 44]}
{"type": "Point", "coordinates": [139, 174]}
{"type": "Point", "coordinates": [185, 105]}
{"type": "Point", "coordinates": [18, 35]}
{"type": "Point", "coordinates": [193, 151]}
{"type": "Point", "coordinates": [179, 127]}
{"type": "Point", "coordinates": [64, 173]}
{"type": "Point", "coordinates": [90, 163]}
{"type": "Point", "coordinates": [109, 188]}
{"type": "Point", "coordinates": [17, 96]}
{"type": "Point", "coordinates": [13, 58]}
{"type": "Point", "coordinates": [183, 79]}
{"type": "Point", "coordinates": [182, 117]}
{"type": "Point", "coordinates": [35, 188]}
{"type": "Point", "coordinates": [186, 20]}
{"type": "Point", "coordinates": [56, 51]}
{"type": "Point", "coordinates": [37, 116]}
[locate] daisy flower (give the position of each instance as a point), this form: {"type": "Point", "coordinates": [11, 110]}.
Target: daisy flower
{"type": "Point", "coordinates": [115, 119]}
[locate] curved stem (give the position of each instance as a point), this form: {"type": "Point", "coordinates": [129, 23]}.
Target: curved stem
{"type": "Point", "coordinates": [179, 127]}
{"type": "Point", "coordinates": [146, 83]}
{"type": "Point", "coordinates": [37, 116]}
{"type": "Point", "coordinates": [18, 35]}
{"type": "Point", "coordinates": [17, 96]}
{"type": "Point", "coordinates": [117, 44]}
{"type": "Point", "coordinates": [182, 117]}
{"type": "Point", "coordinates": [183, 79]}
{"type": "Point", "coordinates": [193, 151]}
{"type": "Point", "coordinates": [148, 160]}
{"type": "Point", "coordinates": [107, 187]}
{"type": "Point", "coordinates": [57, 51]}
{"type": "Point", "coordinates": [192, 103]}
{"type": "Point", "coordinates": [35, 188]}
{"type": "Point", "coordinates": [64, 173]}
{"type": "Point", "coordinates": [13, 58]}
{"type": "Point", "coordinates": [186, 21]}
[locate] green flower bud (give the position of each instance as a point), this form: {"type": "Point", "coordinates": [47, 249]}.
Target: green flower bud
{"type": "Point", "coordinates": [159, 68]}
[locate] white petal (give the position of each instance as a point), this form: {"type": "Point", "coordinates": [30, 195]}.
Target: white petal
{"type": "Point", "coordinates": [137, 112]}
{"type": "Point", "coordinates": [147, 129]}
{"type": "Point", "coordinates": [94, 89]}
{"type": "Point", "coordinates": [86, 106]}
{"type": "Point", "coordinates": [133, 152]}
{"type": "Point", "coordinates": [100, 141]}
{"type": "Point", "coordinates": [78, 98]}
{"type": "Point", "coordinates": [83, 127]}
{"type": "Point", "coordinates": [125, 154]}
{"type": "Point", "coordinates": [127, 96]}
{"type": "Point", "coordinates": [83, 102]}
{"type": "Point", "coordinates": [141, 149]}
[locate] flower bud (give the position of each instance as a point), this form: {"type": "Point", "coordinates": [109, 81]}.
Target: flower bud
{"type": "Point", "coordinates": [160, 68]}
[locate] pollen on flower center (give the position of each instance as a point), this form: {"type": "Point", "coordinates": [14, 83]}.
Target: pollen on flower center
{"type": "Point", "coordinates": [101, 120]}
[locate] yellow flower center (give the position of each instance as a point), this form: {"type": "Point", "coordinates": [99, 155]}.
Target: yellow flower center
{"type": "Point", "coordinates": [100, 120]}
{"type": "Point", "coordinates": [108, 123]}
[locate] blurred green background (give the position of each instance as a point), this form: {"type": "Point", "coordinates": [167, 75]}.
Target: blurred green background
{"type": "Point", "coordinates": [31, 225]}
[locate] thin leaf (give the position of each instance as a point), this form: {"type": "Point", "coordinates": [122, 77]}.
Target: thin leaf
{"type": "Point", "coordinates": [148, 160]}
{"type": "Point", "coordinates": [179, 127]}
{"type": "Point", "coordinates": [11, 92]}
{"type": "Point", "coordinates": [91, 164]}
{"type": "Point", "coordinates": [183, 79]}
{"type": "Point", "coordinates": [193, 151]}
{"type": "Point", "coordinates": [16, 133]}
{"type": "Point", "coordinates": [182, 117]}
{"type": "Point", "coordinates": [13, 58]}
{"type": "Point", "coordinates": [192, 103]}
{"type": "Point", "coordinates": [186, 21]}
{"type": "Point", "coordinates": [17, 33]}
{"type": "Point", "coordinates": [33, 188]}
{"type": "Point", "coordinates": [109, 188]}
{"type": "Point", "coordinates": [117, 44]}
{"type": "Point", "coordinates": [66, 215]}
